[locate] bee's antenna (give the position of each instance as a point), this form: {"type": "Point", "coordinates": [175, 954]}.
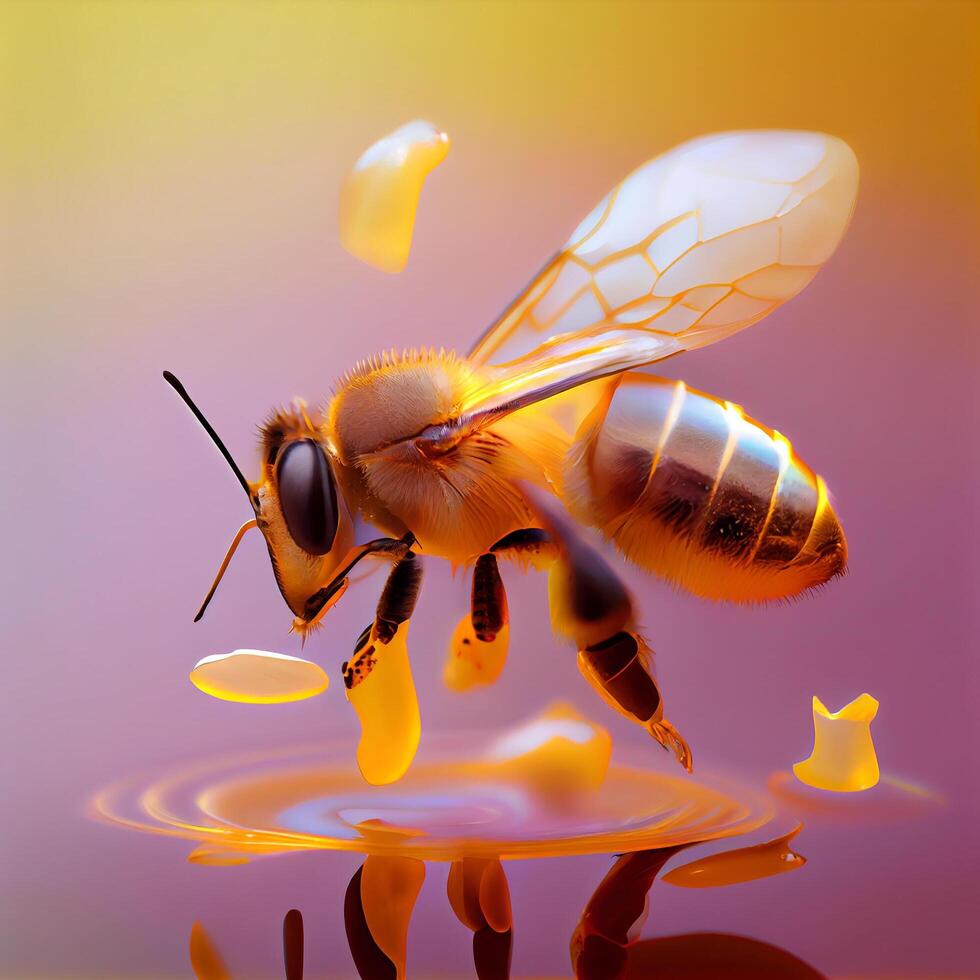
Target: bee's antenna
{"type": "Point", "coordinates": [209, 429]}
{"type": "Point", "coordinates": [247, 526]}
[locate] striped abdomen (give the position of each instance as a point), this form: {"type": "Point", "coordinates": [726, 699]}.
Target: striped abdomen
{"type": "Point", "coordinates": [690, 488]}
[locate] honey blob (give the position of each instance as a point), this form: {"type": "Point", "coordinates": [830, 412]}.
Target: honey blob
{"type": "Point", "coordinates": [560, 753]}
{"type": "Point", "coordinates": [206, 961]}
{"type": "Point", "coordinates": [738, 865]}
{"type": "Point", "coordinates": [389, 888]}
{"type": "Point", "coordinates": [258, 677]}
{"type": "Point", "coordinates": [381, 194]}
{"type": "Point", "coordinates": [843, 759]}
{"type": "Point", "coordinates": [381, 689]}
{"type": "Point", "coordinates": [472, 662]}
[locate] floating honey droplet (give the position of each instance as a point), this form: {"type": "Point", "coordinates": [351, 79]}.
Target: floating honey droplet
{"type": "Point", "coordinates": [472, 662]}
{"type": "Point", "coordinates": [389, 888]}
{"type": "Point", "coordinates": [206, 961]}
{"type": "Point", "coordinates": [742, 864]}
{"type": "Point", "coordinates": [843, 759]}
{"type": "Point", "coordinates": [258, 677]}
{"type": "Point", "coordinates": [561, 753]}
{"type": "Point", "coordinates": [380, 196]}
{"type": "Point", "coordinates": [382, 692]}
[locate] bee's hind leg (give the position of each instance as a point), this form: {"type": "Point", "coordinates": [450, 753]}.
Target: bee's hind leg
{"type": "Point", "coordinates": [591, 605]}
{"type": "Point", "coordinates": [620, 669]}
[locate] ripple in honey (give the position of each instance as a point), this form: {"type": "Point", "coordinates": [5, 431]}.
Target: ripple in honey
{"type": "Point", "coordinates": [452, 803]}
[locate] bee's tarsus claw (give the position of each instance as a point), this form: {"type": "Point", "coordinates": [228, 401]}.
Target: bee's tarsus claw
{"type": "Point", "coordinates": [671, 740]}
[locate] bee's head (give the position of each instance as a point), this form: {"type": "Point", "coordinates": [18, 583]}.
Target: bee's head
{"type": "Point", "coordinates": [298, 507]}
{"type": "Point", "coordinates": [300, 510]}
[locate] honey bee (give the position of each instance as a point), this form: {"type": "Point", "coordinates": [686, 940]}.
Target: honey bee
{"type": "Point", "coordinates": [467, 458]}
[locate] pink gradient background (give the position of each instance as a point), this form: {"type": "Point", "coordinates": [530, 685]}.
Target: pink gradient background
{"type": "Point", "coordinates": [170, 199]}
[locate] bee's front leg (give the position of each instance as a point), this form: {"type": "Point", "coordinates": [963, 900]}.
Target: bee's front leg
{"type": "Point", "coordinates": [379, 683]}
{"type": "Point", "coordinates": [592, 607]}
{"type": "Point", "coordinates": [324, 599]}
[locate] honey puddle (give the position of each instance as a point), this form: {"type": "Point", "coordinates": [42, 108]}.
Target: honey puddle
{"type": "Point", "coordinates": [446, 807]}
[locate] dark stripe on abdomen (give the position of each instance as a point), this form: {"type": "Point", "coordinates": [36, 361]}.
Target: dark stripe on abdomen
{"type": "Point", "coordinates": [682, 482]}
{"type": "Point", "coordinates": [690, 488]}
{"type": "Point", "coordinates": [739, 507]}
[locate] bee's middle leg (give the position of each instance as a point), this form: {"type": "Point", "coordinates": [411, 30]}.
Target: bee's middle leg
{"type": "Point", "coordinates": [478, 648]}
{"type": "Point", "coordinates": [619, 668]}
{"type": "Point", "coordinates": [399, 596]}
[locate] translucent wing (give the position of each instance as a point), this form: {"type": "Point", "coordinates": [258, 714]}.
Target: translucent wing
{"type": "Point", "coordinates": [693, 246]}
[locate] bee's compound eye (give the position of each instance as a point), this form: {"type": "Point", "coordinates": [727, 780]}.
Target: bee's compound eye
{"type": "Point", "coordinates": [308, 496]}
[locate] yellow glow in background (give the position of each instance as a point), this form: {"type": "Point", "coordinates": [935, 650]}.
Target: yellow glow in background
{"type": "Point", "coordinates": [170, 173]}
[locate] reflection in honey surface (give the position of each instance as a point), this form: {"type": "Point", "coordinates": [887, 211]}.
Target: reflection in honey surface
{"type": "Point", "coordinates": [381, 194]}
{"type": "Point", "coordinates": [206, 961]}
{"type": "Point", "coordinates": [614, 915]}
{"type": "Point", "coordinates": [548, 787]}
{"type": "Point", "coordinates": [605, 944]}
{"type": "Point", "coordinates": [741, 864]}
{"type": "Point", "coordinates": [293, 944]}
{"type": "Point", "coordinates": [891, 799]}
{"type": "Point", "coordinates": [389, 888]}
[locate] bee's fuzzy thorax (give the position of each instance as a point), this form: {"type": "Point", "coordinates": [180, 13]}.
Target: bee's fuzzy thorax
{"type": "Point", "coordinates": [395, 395]}
{"type": "Point", "coordinates": [394, 359]}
